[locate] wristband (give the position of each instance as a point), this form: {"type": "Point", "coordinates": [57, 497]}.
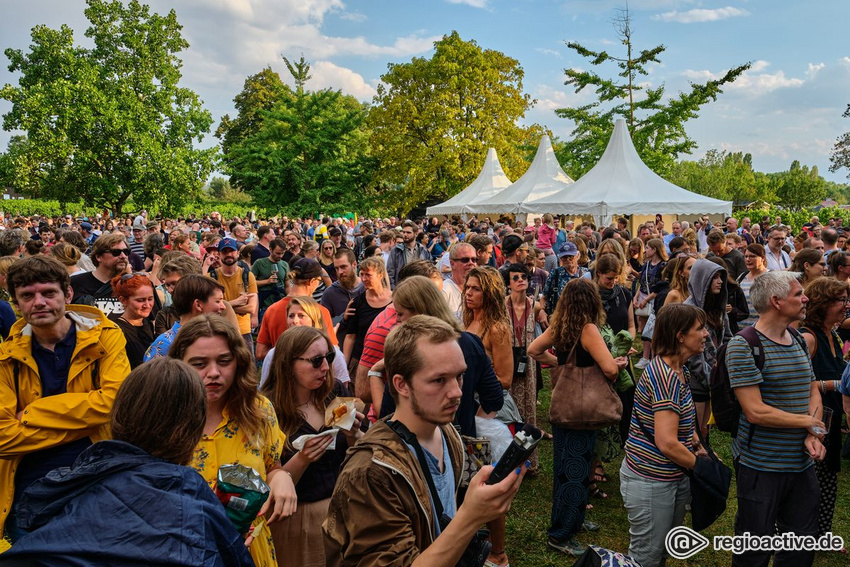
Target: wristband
{"type": "Point", "coordinates": [374, 373]}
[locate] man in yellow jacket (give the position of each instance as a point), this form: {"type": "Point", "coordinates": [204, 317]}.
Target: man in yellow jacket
{"type": "Point", "coordinates": [60, 369]}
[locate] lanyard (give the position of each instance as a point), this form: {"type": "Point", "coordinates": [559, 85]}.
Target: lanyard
{"type": "Point", "coordinates": [519, 331]}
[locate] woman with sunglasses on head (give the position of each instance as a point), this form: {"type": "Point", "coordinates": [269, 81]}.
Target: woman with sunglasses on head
{"type": "Point", "coordinates": [301, 385]}
{"type": "Point", "coordinates": [135, 292]}
{"type": "Point", "coordinates": [241, 425]}
{"type": "Point", "coordinates": [303, 311]}
{"type": "Point", "coordinates": [826, 309]}
{"type": "Point", "coordinates": [327, 250]}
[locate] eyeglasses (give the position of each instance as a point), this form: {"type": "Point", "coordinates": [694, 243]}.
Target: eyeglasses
{"type": "Point", "coordinates": [316, 361]}
{"type": "Point", "coordinates": [465, 260]}
{"type": "Point", "coordinates": [118, 251]}
{"type": "Point", "coordinates": [844, 300]}
{"type": "Point", "coordinates": [518, 277]}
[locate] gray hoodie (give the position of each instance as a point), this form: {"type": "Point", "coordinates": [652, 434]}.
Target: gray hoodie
{"type": "Point", "coordinates": [699, 286]}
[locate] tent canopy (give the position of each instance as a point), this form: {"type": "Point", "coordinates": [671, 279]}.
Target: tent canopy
{"type": "Point", "coordinates": [544, 177]}
{"type": "Point", "coordinates": [489, 182]}
{"type": "Point", "coordinates": [622, 184]}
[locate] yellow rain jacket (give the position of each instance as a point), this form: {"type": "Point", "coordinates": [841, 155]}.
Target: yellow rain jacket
{"type": "Point", "coordinates": [98, 367]}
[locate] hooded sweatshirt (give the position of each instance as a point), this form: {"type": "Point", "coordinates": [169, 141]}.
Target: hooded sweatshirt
{"type": "Point", "coordinates": [118, 505]}
{"type": "Point", "coordinates": [699, 287]}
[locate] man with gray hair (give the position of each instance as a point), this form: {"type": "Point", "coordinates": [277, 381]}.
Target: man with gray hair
{"type": "Point", "coordinates": [777, 440]}
{"type": "Point", "coordinates": [462, 257]}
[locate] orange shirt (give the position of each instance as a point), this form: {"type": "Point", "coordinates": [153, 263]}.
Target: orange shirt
{"type": "Point", "coordinates": [275, 323]}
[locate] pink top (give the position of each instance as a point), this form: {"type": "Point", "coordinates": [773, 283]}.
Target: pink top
{"type": "Point", "coordinates": [546, 236]}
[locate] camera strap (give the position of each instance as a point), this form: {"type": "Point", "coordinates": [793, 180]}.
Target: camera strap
{"type": "Point", "coordinates": [411, 440]}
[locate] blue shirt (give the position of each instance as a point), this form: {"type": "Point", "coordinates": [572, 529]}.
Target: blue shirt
{"type": "Point", "coordinates": [444, 482]}
{"type": "Point", "coordinates": [53, 366]}
{"type": "Point", "coordinates": [162, 344]}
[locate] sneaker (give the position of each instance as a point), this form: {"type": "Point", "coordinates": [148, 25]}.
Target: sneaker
{"type": "Point", "coordinates": [642, 363]}
{"type": "Point", "coordinates": [589, 526]}
{"type": "Point", "coordinates": [569, 546]}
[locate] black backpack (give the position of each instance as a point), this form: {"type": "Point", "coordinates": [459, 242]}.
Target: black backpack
{"type": "Point", "coordinates": [724, 405]}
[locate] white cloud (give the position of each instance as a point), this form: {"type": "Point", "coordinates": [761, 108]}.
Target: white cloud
{"type": "Point", "coordinates": [752, 82]}
{"type": "Point", "coordinates": [549, 52]}
{"type": "Point", "coordinates": [701, 15]}
{"type": "Point", "coordinates": [328, 75]}
{"type": "Point", "coordinates": [356, 17]}
{"type": "Point", "coordinates": [473, 3]}
{"type": "Point", "coordinates": [814, 69]}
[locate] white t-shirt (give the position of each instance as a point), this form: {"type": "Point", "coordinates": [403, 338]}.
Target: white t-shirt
{"type": "Point", "coordinates": [454, 296]}
{"type": "Point", "coordinates": [340, 368]}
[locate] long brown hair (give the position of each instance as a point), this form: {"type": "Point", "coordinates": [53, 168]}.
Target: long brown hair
{"type": "Point", "coordinates": [242, 402]}
{"type": "Point", "coordinates": [579, 304]}
{"type": "Point", "coordinates": [493, 306]}
{"type": "Point", "coordinates": [280, 386]}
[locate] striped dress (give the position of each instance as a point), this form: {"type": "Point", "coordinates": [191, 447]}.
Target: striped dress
{"type": "Point", "coordinates": [659, 388]}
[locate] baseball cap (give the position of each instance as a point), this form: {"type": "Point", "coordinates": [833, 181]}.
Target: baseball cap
{"type": "Point", "coordinates": [85, 226]}
{"type": "Point", "coordinates": [307, 269]}
{"type": "Point", "coordinates": [152, 224]}
{"type": "Point", "coordinates": [139, 226]}
{"type": "Point", "coordinates": [567, 249]}
{"type": "Point", "coordinates": [227, 243]}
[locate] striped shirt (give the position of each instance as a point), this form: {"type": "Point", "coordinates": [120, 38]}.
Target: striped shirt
{"type": "Point", "coordinates": [376, 336]}
{"type": "Point", "coordinates": [785, 384]}
{"type": "Point", "coordinates": [659, 388]}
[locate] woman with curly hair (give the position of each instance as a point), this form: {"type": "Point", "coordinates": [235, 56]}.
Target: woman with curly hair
{"type": "Point", "coordinates": [828, 299]}
{"type": "Point", "coordinates": [300, 386]}
{"type": "Point", "coordinates": [485, 315]}
{"type": "Point", "coordinates": [241, 425]}
{"type": "Point", "coordinates": [574, 332]}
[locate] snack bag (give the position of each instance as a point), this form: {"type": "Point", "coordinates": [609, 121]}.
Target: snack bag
{"type": "Point", "coordinates": [243, 492]}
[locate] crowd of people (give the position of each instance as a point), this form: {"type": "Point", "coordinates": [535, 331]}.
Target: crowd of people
{"type": "Point", "coordinates": [134, 348]}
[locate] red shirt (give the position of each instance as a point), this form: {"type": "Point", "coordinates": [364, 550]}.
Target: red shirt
{"type": "Point", "coordinates": [275, 323]}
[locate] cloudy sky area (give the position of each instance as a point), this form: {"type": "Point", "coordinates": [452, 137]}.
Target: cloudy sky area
{"type": "Point", "coordinates": [788, 106]}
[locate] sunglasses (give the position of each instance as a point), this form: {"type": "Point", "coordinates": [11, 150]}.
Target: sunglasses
{"type": "Point", "coordinates": [118, 251]}
{"type": "Point", "coordinates": [126, 277]}
{"type": "Point", "coordinates": [316, 361]}
{"type": "Point", "coordinates": [518, 277]}
{"type": "Point", "coordinates": [466, 260]}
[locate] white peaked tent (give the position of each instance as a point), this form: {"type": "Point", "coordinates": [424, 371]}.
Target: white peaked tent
{"type": "Point", "coordinates": [543, 178]}
{"type": "Point", "coordinates": [490, 181]}
{"type": "Point", "coordinates": [622, 184]}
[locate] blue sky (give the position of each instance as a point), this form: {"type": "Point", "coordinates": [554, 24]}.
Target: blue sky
{"type": "Point", "coordinates": [788, 106]}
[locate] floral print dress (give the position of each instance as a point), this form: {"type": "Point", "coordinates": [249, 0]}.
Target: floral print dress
{"type": "Point", "coordinates": [229, 445]}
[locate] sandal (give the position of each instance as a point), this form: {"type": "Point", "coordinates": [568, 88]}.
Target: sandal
{"type": "Point", "coordinates": [599, 474]}
{"type": "Point", "coordinates": [596, 491]}
{"type": "Point", "coordinates": [546, 435]}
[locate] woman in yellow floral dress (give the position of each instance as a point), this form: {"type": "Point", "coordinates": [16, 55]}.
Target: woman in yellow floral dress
{"type": "Point", "coordinates": [241, 425]}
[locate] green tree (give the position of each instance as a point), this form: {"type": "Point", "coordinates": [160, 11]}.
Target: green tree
{"type": "Point", "coordinates": [260, 92]}
{"type": "Point", "coordinates": [841, 151]}
{"type": "Point", "coordinates": [309, 153]}
{"type": "Point", "coordinates": [657, 125]}
{"type": "Point", "coordinates": [433, 120]}
{"type": "Point", "coordinates": [722, 175]}
{"type": "Point", "coordinates": [800, 186]}
{"type": "Point", "coordinates": [109, 122]}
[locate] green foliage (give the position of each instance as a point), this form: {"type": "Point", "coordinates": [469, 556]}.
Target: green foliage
{"type": "Point", "coordinates": [221, 190]}
{"type": "Point", "coordinates": [841, 151]}
{"type": "Point", "coordinates": [726, 176]}
{"type": "Point", "coordinates": [434, 119]}
{"type": "Point", "coordinates": [657, 126]}
{"type": "Point", "coordinates": [108, 122]}
{"type": "Point", "coordinates": [261, 92]}
{"type": "Point", "coordinates": [309, 154]}
{"type": "Point", "coordinates": [799, 186]}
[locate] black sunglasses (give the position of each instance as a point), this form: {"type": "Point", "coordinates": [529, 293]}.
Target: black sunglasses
{"type": "Point", "coordinates": [465, 260]}
{"type": "Point", "coordinates": [118, 251]}
{"type": "Point", "coordinates": [518, 277]}
{"type": "Point", "coordinates": [316, 361]}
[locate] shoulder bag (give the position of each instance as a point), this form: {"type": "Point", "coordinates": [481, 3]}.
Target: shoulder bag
{"type": "Point", "coordinates": [583, 398]}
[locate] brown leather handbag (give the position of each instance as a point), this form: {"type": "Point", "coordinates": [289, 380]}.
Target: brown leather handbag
{"type": "Point", "coordinates": [583, 398]}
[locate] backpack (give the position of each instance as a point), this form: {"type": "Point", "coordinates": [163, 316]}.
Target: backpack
{"type": "Point", "coordinates": [245, 269]}
{"type": "Point", "coordinates": [724, 405]}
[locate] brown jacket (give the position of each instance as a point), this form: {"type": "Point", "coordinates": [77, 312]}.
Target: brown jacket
{"type": "Point", "coordinates": [380, 512]}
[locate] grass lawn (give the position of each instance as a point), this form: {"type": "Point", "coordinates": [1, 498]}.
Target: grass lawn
{"type": "Point", "coordinates": [531, 510]}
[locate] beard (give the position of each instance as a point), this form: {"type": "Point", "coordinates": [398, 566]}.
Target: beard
{"type": "Point", "coordinates": [349, 280]}
{"type": "Point", "coordinates": [425, 416]}
{"type": "Point", "coordinates": [229, 261]}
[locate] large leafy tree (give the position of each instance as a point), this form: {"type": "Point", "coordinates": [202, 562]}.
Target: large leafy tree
{"type": "Point", "coordinates": [657, 125]}
{"type": "Point", "coordinates": [433, 120]}
{"type": "Point", "coordinates": [309, 153]}
{"type": "Point", "coordinates": [260, 92]}
{"type": "Point", "coordinates": [799, 187]}
{"type": "Point", "coordinates": [841, 151]}
{"type": "Point", "coordinates": [722, 175]}
{"type": "Point", "coordinates": [109, 122]}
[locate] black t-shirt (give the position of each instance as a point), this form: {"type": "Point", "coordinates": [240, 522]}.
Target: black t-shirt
{"type": "Point", "coordinates": [91, 291]}
{"type": "Point", "coordinates": [290, 258]}
{"type": "Point", "coordinates": [138, 338]}
{"type": "Point", "coordinates": [358, 324]}
{"type": "Point", "coordinates": [616, 307]}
